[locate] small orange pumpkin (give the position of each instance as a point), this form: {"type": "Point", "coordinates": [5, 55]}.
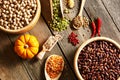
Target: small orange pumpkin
{"type": "Point", "coordinates": [26, 46]}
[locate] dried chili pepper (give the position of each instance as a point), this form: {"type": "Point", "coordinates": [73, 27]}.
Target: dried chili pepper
{"type": "Point", "coordinates": [99, 23]}
{"type": "Point", "coordinates": [72, 39]}
{"type": "Point", "coordinates": [93, 28]}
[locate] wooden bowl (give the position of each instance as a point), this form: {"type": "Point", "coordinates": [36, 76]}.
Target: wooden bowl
{"type": "Point", "coordinates": [29, 26]}
{"type": "Point", "coordinates": [82, 46]}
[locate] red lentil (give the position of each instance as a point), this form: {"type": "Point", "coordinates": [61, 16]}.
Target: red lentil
{"type": "Point", "coordinates": [54, 66]}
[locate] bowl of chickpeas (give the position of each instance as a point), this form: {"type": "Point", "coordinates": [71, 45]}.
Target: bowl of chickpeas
{"type": "Point", "coordinates": [19, 16]}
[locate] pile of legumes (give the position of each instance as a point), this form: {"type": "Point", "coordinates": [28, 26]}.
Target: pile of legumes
{"type": "Point", "coordinates": [54, 66]}
{"type": "Point", "coordinates": [16, 14]}
{"type": "Point", "coordinates": [58, 23]}
{"type": "Point", "coordinates": [99, 60]}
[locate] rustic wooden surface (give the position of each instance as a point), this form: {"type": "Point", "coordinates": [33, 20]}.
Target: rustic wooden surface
{"type": "Point", "coordinates": [13, 67]}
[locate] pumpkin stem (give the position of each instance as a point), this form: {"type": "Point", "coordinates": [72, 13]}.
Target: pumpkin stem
{"type": "Point", "coordinates": [26, 46]}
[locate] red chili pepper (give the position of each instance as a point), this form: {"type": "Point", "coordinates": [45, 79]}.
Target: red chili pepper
{"type": "Point", "coordinates": [93, 28]}
{"type": "Point", "coordinates": [99, 23]}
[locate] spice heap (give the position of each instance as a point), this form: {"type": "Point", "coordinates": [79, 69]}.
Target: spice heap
{"type": "Point", "coordinates": [72, 39]}
{"type": "Point", "coordinates": [99, 60]}
{"type": "Point", "coordinates": [79, 21]}
{"type": "Point", "coordinates": [58, 23]}
{"type": "Point", "coordinates": [54, 66]}
{"type": "Point", "coordinates": [16, 14]}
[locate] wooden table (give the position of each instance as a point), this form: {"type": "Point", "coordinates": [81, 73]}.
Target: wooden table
{"type": "Point", "coordinates": [12, 67]}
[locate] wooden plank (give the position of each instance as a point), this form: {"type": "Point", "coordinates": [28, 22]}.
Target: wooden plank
{"type": "Point", "coordinates": [34, 67]}
{"type": "Point", "coordinates": [10, 66]}
{"type": "Point", "coordinates": [96, 8]}
{"type": "Point", "coordinates": [43, 35]}
{"type": "Point", "coordinates": [83, 33]}
{"type": "Point", "coordinates": [113, 9]}
{"type": "Point", "coordinates": [93, 8]}
{"type": "Point", "coordinates": [47, 9]}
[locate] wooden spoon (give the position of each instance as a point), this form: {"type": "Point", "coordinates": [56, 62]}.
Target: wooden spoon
{"type": "Point", "coordinates": [46, 74]}
{"type": "Point", "coordinates": [61, 8]}
{"type": "Point", "coordinates": [79, 16]}
{"type": "Point", "coordinates": [48, 45]}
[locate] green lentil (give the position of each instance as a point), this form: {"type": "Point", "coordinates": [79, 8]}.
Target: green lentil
{"type": "Point", "coordinates": [58, 23]}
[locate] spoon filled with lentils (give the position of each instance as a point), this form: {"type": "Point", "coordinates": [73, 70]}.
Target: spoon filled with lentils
{"type": "Point", "coordinates": [79, 20]}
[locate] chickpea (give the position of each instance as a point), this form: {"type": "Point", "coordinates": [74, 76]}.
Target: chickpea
{"type": "Point", "coordinates": [22, 23]}
{"type": "Point", "coordinates": [11, 1]}
{"type": "Point", "coordinates": [7, 12]}
{"type": "Point", "coordinates": [4, 11]}
{"type": "Point", "coordinates": [4, 6]}
{"type": "Point", "coordinates": [14, 1]}
{"type": "Point", "coordinates": [10, 15]}
{"type": "Point", "coordinates": [5, 2]}
{"type": "Point", "coordinates": [2, 21]}
{"type": "Point", "coordinates": [12, 5]}
{"type": "Point", "coordinates": [6, 22]}
{"type": "Point", "coordinates": [6, 26]}
{"type": "Point", "coordinates": [15, 28]}
{"type": "Point", "coordinates": [16, 14]}
{"type": "Point", "coordinates": [18, 27]}
{"type": "Point", "coordinates": [12, 26]}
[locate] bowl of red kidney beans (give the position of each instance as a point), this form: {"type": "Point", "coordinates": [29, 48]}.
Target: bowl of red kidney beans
{"type": "Point", "coordinates": [98, 59]}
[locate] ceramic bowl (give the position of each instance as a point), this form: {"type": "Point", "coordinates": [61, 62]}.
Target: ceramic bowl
{"type": "Point", "coordinates": [29, 26]}
{"type": "Point", "coordinates": [82, 46]}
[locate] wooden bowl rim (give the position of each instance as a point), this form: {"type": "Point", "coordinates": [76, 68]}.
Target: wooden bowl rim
{"type": "Point", "coordinates": [30, 25]}
{"type": "Point", "coordinates": [83, 45]}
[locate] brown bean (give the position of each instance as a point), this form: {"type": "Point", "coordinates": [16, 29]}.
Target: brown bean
{"type": "Point", "coordinates": [99, 60]}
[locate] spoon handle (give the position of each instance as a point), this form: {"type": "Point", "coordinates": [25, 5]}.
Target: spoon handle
{"type": "Point", "coordinates": [81, 7]}
{"type": "Point", "coordinates": [61, 8]}
{"type": "Point", "coordinates": [41, 54]}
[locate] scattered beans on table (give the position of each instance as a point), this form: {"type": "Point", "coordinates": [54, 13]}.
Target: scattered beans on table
{"type": "Point", "coordinates": [99, 60]}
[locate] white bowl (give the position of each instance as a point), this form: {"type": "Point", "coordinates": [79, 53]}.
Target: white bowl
{"type": "Point", "coordinates": [83, 45]}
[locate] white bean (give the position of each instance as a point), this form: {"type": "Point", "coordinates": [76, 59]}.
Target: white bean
{"type": "Point", "coordinates": [71, 3]}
